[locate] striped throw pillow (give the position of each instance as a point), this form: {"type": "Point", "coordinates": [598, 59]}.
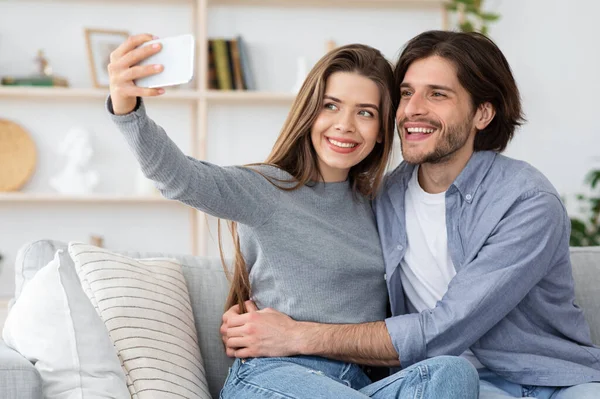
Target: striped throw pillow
{"type": "Point", "coordinates": [146, 308]}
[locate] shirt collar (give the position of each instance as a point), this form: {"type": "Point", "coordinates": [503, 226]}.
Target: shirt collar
{"type": "Point", "coordinates": [469, 180]}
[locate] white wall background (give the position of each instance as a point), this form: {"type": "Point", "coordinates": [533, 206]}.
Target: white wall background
{"type": "Point", "coordinates": [551, 46]}
{"type": "Point", "coordinates": [554, 50]}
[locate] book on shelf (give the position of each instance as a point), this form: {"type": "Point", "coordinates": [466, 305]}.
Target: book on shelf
{"type": "Point", "coordinates": [236, 65]}
{"type": "Point", "coordinates": [213, 80]}
{"type": "Point", "coordinates": [43, 81]}
{"type": "Point", "coordinates": [248, 77]}
{"type": "Point", "coordinates": [228, 65]}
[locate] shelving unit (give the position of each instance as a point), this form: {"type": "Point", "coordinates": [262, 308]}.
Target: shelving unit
{"type": "Point", "coordinates": [19, 198]}
{"type": "Point", "coordinates": [199, 98]}
{"type": "Point", "coordinates": [331, 3]}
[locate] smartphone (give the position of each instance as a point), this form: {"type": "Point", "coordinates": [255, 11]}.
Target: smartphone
{"type": "Point", "coordinates": [176, 56]}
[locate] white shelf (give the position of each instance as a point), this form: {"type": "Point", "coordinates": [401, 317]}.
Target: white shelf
{"type": "Point", "coordinates": [165, 2]}
{"type": "Point", "coordinates": [252, 97]}
{"type": "Point", "coordinates": [282, 3]}
{"type": "Point", "coordinates": [71, 199]}
{"type": "Point", "coordinates": [333, 3]}
{"type": "Point", "coordinates": [67, 93]}
{"type": "Point", "coordinates": [239, 97]}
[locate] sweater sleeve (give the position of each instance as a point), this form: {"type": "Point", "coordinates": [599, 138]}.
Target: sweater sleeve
{"type": "Point", "coordinates": [235, 193]}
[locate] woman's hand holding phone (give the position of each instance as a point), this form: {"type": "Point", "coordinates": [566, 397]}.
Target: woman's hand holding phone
{"type": "Point", "coordinates": [123, 70]}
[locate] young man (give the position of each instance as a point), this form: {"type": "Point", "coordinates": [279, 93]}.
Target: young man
{"type": "Point", "coordinates": [476, 245]}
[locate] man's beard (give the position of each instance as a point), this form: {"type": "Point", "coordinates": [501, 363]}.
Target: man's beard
{"type": "Point", "coordinates": [454, 138]}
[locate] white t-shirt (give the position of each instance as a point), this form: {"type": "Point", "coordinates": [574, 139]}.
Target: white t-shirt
{"type": "Point", "coordinates": [427, 268]}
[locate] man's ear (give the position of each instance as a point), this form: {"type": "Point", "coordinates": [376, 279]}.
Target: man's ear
{"type": "Point", "coordinates": [484, 115]}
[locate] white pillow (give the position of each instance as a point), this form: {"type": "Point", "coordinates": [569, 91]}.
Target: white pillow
{"type": "Point", "coordinates": [54, 325]}
{"type": "Point", "coordinates": [146, 308]}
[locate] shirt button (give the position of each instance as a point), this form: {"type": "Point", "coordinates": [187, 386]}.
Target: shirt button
{"type": "Point", "coordinates": [385, 276]}
{"type": "Point", "coordinates": [399, 247]}
{"type": "Point", "coordinates": [468, 197]}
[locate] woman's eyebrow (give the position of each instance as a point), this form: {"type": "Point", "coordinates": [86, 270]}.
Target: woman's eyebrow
{"type": "Point", "coordinates": [361, 105]}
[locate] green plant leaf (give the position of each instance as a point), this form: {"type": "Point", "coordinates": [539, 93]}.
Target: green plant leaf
{"type": "Point", "coordinates": [488, 16]}
{"type": "Point", "coordinates": [484, 30]}
{"type": "Point", "coordinates": [577, 239]}
{"type": "Point", "coordinates": [578, 225]}
{"type": "Point", "coordinates": [593, 178]}
{"type": "Point", "coordinates": [467, 27]}
{"type": "Point", "coordinates": [595, 205]}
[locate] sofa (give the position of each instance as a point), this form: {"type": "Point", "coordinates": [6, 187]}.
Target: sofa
{"type": "Point", "coordinates": [208, 287]}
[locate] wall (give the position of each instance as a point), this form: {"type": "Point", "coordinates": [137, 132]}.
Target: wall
{"type": "Point", "coordinates": [553, 49]}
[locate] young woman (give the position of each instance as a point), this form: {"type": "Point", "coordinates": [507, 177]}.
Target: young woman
{"type": "Point", "coordinates": [306, 241]}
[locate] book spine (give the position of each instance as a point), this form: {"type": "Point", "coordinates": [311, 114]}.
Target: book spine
{"type": "Point", "coordinates": [237, 66]}
{"type": "Point", "coordinates": [230, 61]}
{"type": "Point", "coordinates": [213, 80]}
{"type": "Point", "coordinates": [222, 64]}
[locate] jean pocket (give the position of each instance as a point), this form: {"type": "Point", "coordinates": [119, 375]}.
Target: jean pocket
{"type": "Point", "coordinates": [249, 361]}
{"type": "Point", "coordinates": [241, 367]}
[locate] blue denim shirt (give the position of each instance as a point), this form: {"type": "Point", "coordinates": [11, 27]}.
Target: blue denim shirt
{"type": "Point", "coordinates": [512, 299]}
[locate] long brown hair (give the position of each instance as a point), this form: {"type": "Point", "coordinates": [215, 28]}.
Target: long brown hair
{"type": "Point", "coordinates": [294, 153]}
{"type": "Point", "coordinates": [482, 70]}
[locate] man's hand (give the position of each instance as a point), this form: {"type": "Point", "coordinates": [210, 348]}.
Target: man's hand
{"type": "Point", "coordinates": [269, 333]}
{"type": "Point", "coordinates": [233, 311]}
{"type": "Point", "coordinates": [259, 333]}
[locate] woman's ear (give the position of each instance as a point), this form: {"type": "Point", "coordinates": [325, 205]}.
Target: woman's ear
{"type": "Point", "coordinates": [380, 138]}
{"type": "Point", "coordinates": [484, 115]}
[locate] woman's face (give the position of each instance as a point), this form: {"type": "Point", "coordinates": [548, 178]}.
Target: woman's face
{"type": "Point", "coordinates": [347, 128]}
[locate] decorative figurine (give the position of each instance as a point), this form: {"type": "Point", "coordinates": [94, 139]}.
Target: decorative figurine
{"type": "Point", "coordinates": [75, 178]}
{"type": "Point", "coordinates": [44, 68]}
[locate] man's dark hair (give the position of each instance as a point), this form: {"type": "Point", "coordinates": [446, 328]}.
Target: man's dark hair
{"type": "Point", "coordinates": [482, 70]}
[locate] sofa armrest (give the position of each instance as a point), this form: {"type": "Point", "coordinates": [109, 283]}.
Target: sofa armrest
{"type": "Point", "coordinates": [19, 379]}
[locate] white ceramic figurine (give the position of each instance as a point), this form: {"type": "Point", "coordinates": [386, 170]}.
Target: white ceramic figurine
{"type": "Point", "coordinates": [75, 178]}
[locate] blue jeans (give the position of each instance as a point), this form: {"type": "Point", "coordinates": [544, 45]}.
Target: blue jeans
{"type": "Point", "coordinates": [310, 377]}
{"type": "Point", "coordinates": [493, 386]}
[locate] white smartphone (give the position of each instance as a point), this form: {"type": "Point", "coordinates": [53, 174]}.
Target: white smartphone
{"type": "Point", "coordinates": [176, 56]}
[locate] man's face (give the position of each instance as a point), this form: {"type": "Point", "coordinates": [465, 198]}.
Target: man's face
{"type": "Point", "coordinates": [435, 117]}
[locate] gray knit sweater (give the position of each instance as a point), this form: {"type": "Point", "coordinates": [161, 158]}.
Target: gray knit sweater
{"type": "Point", "coordinates": [312, 253]}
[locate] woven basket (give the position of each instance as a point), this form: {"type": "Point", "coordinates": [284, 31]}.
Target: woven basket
{"type": "Point", "coordinates": [18, 156]}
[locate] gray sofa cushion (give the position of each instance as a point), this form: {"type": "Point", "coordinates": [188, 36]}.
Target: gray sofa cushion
{"type": "Point", "coordinates": [18, 378]}
{"type": "Point", "coordinates": [586, 271]}
{"type": "Point", "coordinates": [206, 283]}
